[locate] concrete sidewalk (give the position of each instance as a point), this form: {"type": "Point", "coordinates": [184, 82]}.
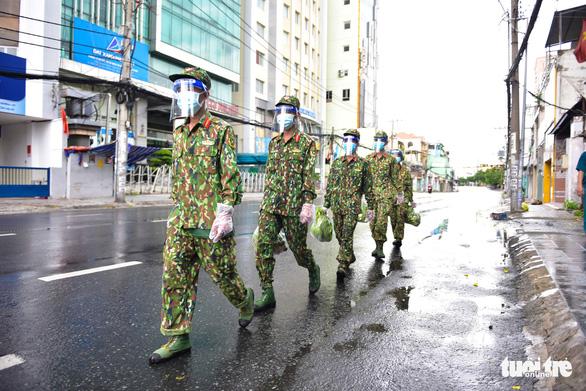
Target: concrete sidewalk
{"type": "Point", "coordinates": [547, 245]}
{"type": "Point", "coordinates": [38, 205]}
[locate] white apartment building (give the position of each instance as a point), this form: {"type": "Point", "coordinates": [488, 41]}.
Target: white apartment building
{"type": "Point", "coordinates": [282, 54]}
{"type": "Point", "coordinates": [352, 65]}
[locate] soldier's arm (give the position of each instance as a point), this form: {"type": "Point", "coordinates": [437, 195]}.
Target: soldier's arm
{"type": "Point", "coordinates": [230, 180]}
{"type": "Point", "coordinates": [408, 184]}
{"type": "Point", "coordinates": [396, 179]}
{"type": "Point", "coordinates": [369, 185]}
{"type": "Point", "coordinates": [308, 189]}
{"type": "Point", "coordinates": [330, 186]}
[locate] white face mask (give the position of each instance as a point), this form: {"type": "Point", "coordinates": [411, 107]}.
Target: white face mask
{"type": "Point", "coordinates": [349, 148]}
{"type": "Point", "coordinates": [285, 121]}
{"type": "Point", "coordinates": [188, 103]}
{"type": "Point", "coordinates": [378, 146]}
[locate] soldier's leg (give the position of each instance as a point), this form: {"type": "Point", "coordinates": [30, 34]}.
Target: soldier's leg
{"type": "Point", "coordinates": [296, 233]}
{"type": "Point", "coordinates": [180, 273]}
{"type": "Point", "coordinates": [269, 226]}
{"type": "Point", "coordinates": [219, 260]}
{"type": "Point", "coordinates": [378, 227]}
{"type": "Point", "coordinates": [338, 229]}
{"type": "Point", "coordinates": [399, 228]}
{"type": "Point", "coordinates": [346, 255]}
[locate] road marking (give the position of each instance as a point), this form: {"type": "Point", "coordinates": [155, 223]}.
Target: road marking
{"type": "Point", "coordinates": [7, 234]}
{"type": "Point", "coordinates": [88, 271]}
{"type": "Point", "coordinates": [158, 221]}
{"type": "Point", "coordinates": [256, 212]}
{"type": "Point", "coordinates": [10, 360]}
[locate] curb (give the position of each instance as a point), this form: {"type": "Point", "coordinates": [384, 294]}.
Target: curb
{"type": "Point", "coordinates": [550, 324]}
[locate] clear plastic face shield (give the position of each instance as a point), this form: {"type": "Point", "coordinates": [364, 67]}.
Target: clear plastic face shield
{"type": "Point", "coordinates": [379, 143]}
{"type": "Point", "coordinates": [186, 93]}
{"type": "Point", "coordinates": [350, 144]}
{"type": "Point", "coordinates": [285, 117]}
{"type": "Point", "coordinates": [398, 155]}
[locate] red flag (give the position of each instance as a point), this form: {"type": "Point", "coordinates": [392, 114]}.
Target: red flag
{"type": "Point", "coordinates": [580, 51]}
{"type": "Point", "coordinates": [65, 124]}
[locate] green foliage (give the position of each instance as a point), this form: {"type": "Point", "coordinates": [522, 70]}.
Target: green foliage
{"type": "Point", "coordinates": [161, 157]}
{"type": "Point", "coordinates": [579, 213]}
{"type": "Point", "coordinates": [493, 177]}
{"type": "Point", "coordinates": [571, 204]}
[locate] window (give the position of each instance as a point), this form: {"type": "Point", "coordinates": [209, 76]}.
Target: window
{"type": "Point", "coordinates": [347, 25]}
{"type": "Point", "coordinates": [306, 24]}
{"type": "Point", "coordinates": [328, 96]}
{"type": "Point", "coordinates": [260, 4]}
{"type": "Point", "coordinates": [296, 69]}
{"type": "Point", "coordinates": [306, 48]}
{"type": "Point", "coordinates": [312, 103]}
{"type": "Point", "coordinates": [260, 58]}
{"type": "Point", "coordinates": [305, 73]}
{"type": "Point", "coordinates": [296, 43]}
{"type": "Point", "coordinates": [285, 64]}
{"type": "Point", "coordinates": [346, 94]}
{"type": "Point", "coordinates": [305, 99]}
{"type": "Point", "coordinates": [260, 29]}
{"type": "Point", "coordinates": [285, 11]}
{"type": "Point", "coordinates": [297, 15]}
{"type": "Point", "coordinates": [260, 86]}
{"type": "Point", "coordinates": [296, 92]}
{"type": "Point", "coordinates": [313, 54]}
{"type": "Point", "coordinates": [313, 30]}
{"type": "Point", "coordinates": [346, 48]}
{"type": "Point", "coordinates": [346, 2]}
{"type": "Point", "coordinates": [410, 145]}
{"type": "Point", "coordinates": [285, 90]}
{"type": "Point", "coordinates": [285, 37]}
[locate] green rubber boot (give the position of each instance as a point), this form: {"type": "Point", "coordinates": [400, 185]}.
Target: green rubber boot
{"type": "Point", "coordinates": [247, 312]}
{"type": "Point", "coordinates": [342, 272]}
{"type": "Point", "coordinates": [266, 301]}
{"type": "Point", "coordinates": [314, 279]}
{"type": "Point", "coordinates": [178, 344]}
{"type": "Point", "coordinates": [378, 251]}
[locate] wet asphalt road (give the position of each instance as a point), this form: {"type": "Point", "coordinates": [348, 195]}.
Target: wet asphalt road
{"type": "Point", "coordinates": [413, 321]}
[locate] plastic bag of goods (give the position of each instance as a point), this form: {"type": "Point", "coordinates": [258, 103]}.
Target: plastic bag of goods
{"type": "Point", "coordinates": [362, 215]}
{"type": "Point", "coordinates": [279, 247]}
{"type": "Point", "coordinates": [412, 217]}
{"type": "Point", "coordinates": [322, 227]}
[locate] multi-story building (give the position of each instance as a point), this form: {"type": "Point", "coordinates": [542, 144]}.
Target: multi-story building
{"type": "Point", "coordinates": [283, 54]}
{"type": "Point", "coordinates": [351, 65]}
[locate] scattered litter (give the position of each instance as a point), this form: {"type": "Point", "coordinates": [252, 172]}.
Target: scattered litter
{"type": "Point", "coordinates": [516, 387]}
{"type": "Point", "coordinates": [466, 275]}
{"type": "Point", "coordinates": [180, 377]}
{"type": "Point", "coordinates": [490, 327]}
{"type": "Point", "coordinates": [465, 245]}
{"type": "Point", "coordinates": [475, 284]}
{"type": "Point", "coordinates": [498, 216]}
{"type": "Point", "coordinates": [506, 271]}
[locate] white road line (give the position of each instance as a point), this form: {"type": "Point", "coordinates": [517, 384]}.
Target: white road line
{"type": "Point", "coordinates": [88, 271]}
{"type": "Point", "coordinates": [10, 360]}
{"type": "Point", "coordinates": [7, 234]}
{"type": "Point", "coordinates": [256, 212]}
{"type": "Point", "coordinates": [158, 221]}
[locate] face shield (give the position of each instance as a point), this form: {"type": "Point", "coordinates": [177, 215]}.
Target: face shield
{"type": "Point", "coordinates": [350, 144]}
{"type": "Point", "coordinates": [379, 143]}
{"type": "Point", "coordinates": [285, 117]}
{"type": "Point", "coordinates": [186, 94]}
{"type": "Point", "coordinates": [398, 155]}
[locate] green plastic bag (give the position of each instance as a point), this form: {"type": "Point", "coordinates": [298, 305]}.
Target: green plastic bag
{"type": "Point", "coordinates": [278, 247]}
{"type": "Point", "coordinates": [412, 217]}
{"type": "Point", "coordinates": [362, 216]}
{"type": "Point", "coordinates": [322, 227]}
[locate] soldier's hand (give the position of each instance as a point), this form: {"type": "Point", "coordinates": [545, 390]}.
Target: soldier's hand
{"type": "Point", "coordinates": [400, 199]}
{"type": "Point", "coordinates": [307, 214]}
{"type": "Point", "coordinates": [413, 205]}
{"type": "Point", "coordinates": [369, 216]}
{"type": "Point", "coordinates": [222, 225]}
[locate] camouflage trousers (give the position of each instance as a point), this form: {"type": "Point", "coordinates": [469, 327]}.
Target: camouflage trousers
{"type": "Point", "coordinates": [183, 256]}
{"type": "Point", "coordinates": [269, 226]}
{"type": "Point", "coordinates": [344, 226]}
{"type": "Point", "coordinates": [398, 214]}
{"type": "Point", "coordinates": [378, 225]}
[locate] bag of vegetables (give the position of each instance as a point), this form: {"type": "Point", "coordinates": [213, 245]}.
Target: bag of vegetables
{"type": "Point", "coordinates": [322, 227]}
{"type": "Point", "coordinates": [412, 217]}
{"type": "Point", "coordinates": [362, 216]}
{"type": "Point", "coordinates": [278, 247]}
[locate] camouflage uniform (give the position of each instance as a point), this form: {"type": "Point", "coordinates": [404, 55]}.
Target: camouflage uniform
{"type": "Point", "coordinates": [347, 182]}
{"type": "Point", "coordinates": [384, 173]}
{"type": "Point", "coordinates": [204, 174]}
{"type": "Point", "coordinates": [399, 212]}
{"type": "Point", "coordinates": [289, 184]}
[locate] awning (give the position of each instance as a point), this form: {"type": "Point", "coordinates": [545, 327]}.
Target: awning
{"type": "Point", "coordinates": [252, 158]}
{"type": "Point", "coordinates": [135, 153]}
{"type": "Point", "coordinates": [566, 26]}
{"type": "Point", "coordinates": [562, 127]}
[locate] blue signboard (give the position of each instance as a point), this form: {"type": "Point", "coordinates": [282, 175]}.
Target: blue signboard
{"type": "Point", "coordinates": [12, 91]}
{"type": "Point", "coordinates": [101, 48]}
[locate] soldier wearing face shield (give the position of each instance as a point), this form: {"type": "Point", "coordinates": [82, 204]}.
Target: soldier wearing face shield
{"type": "Point", "coordinates": [399, 211]}
{"type": "Point", "coordinates": [206, 186]}
{"type": "Point", "coordinates": [288, 200]}
{"type": "Point", "coordinates": [349, 179]}
{"type": "Point", "coordinates": [386, 190]}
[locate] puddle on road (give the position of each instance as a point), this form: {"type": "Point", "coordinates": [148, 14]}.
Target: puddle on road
{"type": "Point", "coordinates": [401, 296]}
{"type": "Point", "coordinates": [439, 230]}
{"type": "Point", "coordinates": [352, 344]}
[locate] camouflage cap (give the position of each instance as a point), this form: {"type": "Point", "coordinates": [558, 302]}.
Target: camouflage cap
{"type": "Point", "coordinates": [289, 100]}
{"type": "Point", "coordinates": [381, 134]}
{"type": "Point", "coordinates": [353, 132]}
{"type": "Point", "coordinates": [194, 73]}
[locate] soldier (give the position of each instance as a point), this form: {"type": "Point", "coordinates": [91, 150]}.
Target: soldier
{"type": "Point", "coordinates": [348, 181]}
{"type": "Point", "coordinates": [288, 200]}
{"type": "Point", "coordinates": [206, 187]}
{"type": "Point", "coordinates": [385, 190]}
{"type": "Point", "coordinates": [399, 212]}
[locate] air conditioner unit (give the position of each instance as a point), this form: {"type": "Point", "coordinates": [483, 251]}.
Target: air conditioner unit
{"type": "Point", "coordinates": [341, 73]}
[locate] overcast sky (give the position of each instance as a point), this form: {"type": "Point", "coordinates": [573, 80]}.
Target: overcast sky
{"type": "Point", "coordinates": [442, 69]}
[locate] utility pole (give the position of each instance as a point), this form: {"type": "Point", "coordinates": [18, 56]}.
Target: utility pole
{"type": "Point", "coordinates": [123, 111]}
{"type": "Point", "coordinates": [515, 182]}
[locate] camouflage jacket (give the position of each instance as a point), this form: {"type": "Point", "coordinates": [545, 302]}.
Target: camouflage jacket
{"type": "Point", "coordinates": [289, 181]}
{"type": "Point", "coordinates": [386, 183]}
{"type": "Point", "coordinates": [347, 182]}
{"type": "Point", "coordinates": [204, 173]}
{"type": "Point", "coordinates": [405, 175]}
